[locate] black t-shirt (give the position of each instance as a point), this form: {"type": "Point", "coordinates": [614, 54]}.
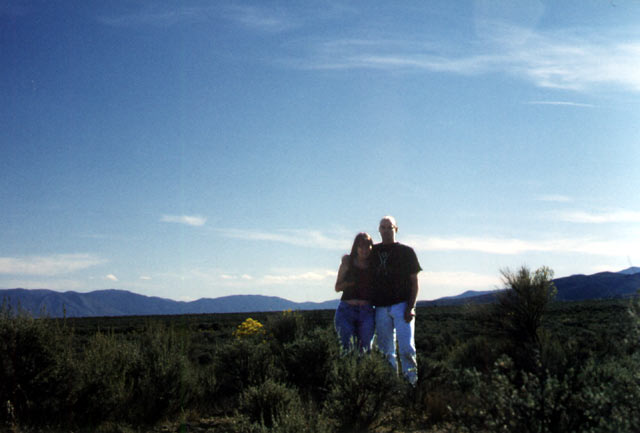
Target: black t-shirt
{"type": "Point", "coordinates": [393, 265]}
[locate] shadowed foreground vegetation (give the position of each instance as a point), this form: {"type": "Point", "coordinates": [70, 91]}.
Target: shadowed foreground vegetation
{"type": "Point", "coordinates": [524, 364]}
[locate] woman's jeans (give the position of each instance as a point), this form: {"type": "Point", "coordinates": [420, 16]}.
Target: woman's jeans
{"type": "Point", "coordinates": [355, 325]}
{"type": "Point", "coordinates": [390, 324]}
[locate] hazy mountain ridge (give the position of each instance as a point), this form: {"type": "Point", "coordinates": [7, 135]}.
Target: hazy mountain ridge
{"type": "Point", "coordinates": [124, 303]}
{"type": "Point", "coordinates": [602, 285]}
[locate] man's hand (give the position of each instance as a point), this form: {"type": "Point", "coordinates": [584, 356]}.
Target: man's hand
{"type": "Point", "coordinates": [409, 313]}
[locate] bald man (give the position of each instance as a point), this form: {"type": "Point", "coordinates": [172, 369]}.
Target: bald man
{"type": "Point", "coordinates": [395, 291]}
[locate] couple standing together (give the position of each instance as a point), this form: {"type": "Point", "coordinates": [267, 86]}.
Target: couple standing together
{"type": "Point", "coordinates": [379, 285]}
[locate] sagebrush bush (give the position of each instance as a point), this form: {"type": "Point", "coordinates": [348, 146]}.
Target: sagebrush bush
{"type": "Point", "coordinates": [242, 363]}
{"type": "Point", "coordinates": [308, 362]}
{"type": "Point", "coordinates": [286, 326]}
{"type": "Point", "coordinates": [106, 379]}
{"type": "Point", "coordinates": [269, 403]}
{"type": "Point", "coordinates": [37, 375]}
{"type": "Point", "coordinates": [164, 379]}
{"type": "Point", "coordinates": [364, 391]}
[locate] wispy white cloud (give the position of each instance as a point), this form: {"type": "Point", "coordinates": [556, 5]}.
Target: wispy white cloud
{"type": "Point", "coordinates": [57, 284]}
{"type": "Point", "coordinates": [576, 60]}
{"type": "Point", "coordinates": [269, 278]}
{"type": "Point", "coordinates": [190, 220]}
{"type": "Point", "coordinates": [513, 246]}
{"type": "Point", "coordinates": [468, 280]}
{"type": "Point", "coordinates": [260, 18]}
{"type": "Point", "coordinates": [306, 276]}
{"type": "Point", "coordinates": [561, 103]}
{"type": "Point", "coordinates": [145, 278]}
{"type": "Point", "coordinates": [111, 277]}
{"type": "Point", "coordinates": [303, 238]}
{"type": "Point", "coordinates": [555, 198]}
{"type": "Point", "coordinates": [256, 18]}
{"type": "Point", "coordinates": [245, 277]}
{"type": "Point", "coordinates": [52, 265]}
{"type": "Point", "coordinates": [616, 216]}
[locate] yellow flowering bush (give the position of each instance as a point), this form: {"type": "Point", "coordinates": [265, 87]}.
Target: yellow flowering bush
{"type": "Point", "coordinates": [248, 328]}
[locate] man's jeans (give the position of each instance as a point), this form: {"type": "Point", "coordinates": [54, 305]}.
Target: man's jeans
{"type": "Point", "coordinates": [355, 325]}
{"type": "Point", "coordinates": [390, 324]}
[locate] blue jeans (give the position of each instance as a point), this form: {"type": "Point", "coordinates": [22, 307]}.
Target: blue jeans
{"type": "Point", "coordinates": [390, 325]}
{"type": "Point", "coordinates": [355, 325]}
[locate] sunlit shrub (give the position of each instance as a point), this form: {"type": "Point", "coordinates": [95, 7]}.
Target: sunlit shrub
{"type": "Point", "coordinates": [269, 403]}
{"type": "Point", "coordinates": [249, 328]}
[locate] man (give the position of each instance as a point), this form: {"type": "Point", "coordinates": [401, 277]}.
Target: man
{"type": "Point", "coordinates": [395, 271]}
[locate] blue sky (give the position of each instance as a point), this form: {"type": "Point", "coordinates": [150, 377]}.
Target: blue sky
{"type": "Point", "coordinates": [202, 149]}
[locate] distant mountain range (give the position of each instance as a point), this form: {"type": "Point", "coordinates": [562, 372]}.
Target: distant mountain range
{"type": "Point", "coordinates": [125, 303]}
{"type": "Point", "coordinates": [602, 285]}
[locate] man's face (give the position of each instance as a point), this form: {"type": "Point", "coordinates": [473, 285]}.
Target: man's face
{"type": "Point", "coordinates": [387, 231]}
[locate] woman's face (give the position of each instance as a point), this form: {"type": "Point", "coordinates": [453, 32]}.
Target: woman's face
{"type": "Point", "coordinates": [364, 249]}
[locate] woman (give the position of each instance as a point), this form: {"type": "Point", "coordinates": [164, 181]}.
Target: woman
{"type": "Point", "coordinates": [355, 316]}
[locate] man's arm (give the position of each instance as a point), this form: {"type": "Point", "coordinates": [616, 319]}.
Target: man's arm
{"type": "Point", "coordinates": [410, 311]}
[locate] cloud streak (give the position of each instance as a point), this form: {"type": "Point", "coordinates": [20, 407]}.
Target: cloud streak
{"type": "Point", "coordinates": [48, 265]}
{"type": "Point", "coordinates": [565, 60]}
{"type": "Point", "coordinates": [301, 238]}
{"type": "Point", "coordinates": [618, 216]}
{"type": "Point", "coordinates": [258, 18]}
{"type": "Point", "coordinates": [505, 246]}
{"type": "Point", "coordinates": [553, 198]}
{"type": "Point", "coordinates": [561, 103]}
{"type": "Point", "coordinates": [190, 220]}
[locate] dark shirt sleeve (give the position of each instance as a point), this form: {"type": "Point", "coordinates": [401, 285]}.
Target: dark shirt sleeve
{"type": "Point", "coordinates": [412, 260]}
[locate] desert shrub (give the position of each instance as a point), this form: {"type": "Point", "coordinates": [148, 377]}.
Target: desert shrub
{"type": "Point", "coordinates": [308, 362]}
{"type": "Point", "coordinates": [249, 328]}
{"type": "Point", "coordinates": [106, 379]}
{"type": "Point", "coordinates": [518, 312]}
{"type": "Point", "coordinates": [138, 379]}
{"type": "Point", "coordinates": [285, 327]}
{"type": "Point", "coordinates": [597, 397]}
{"type": "Point", "coordinates": [363, 393]}
{"type": "Point", "coordinates": [36, 369]}
{"type": "Point", "coordinates": [269, 403]}
{"type": "Point", "coordinates": [163, 378]}
{"type": "Point", "coordinates": [494, 402]}
{"type": "Point", "coordinates": [477, 352]}
{"type": "Point", "coordinates": [242, 363]}
{"type": "Point", "coordinates": [604, 396]}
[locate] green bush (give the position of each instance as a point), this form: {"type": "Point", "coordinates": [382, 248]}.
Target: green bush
{"type": "Point", "coordinates": [308, 362]}
{"type": "Point", "coordinates": [269, 403]}
{"type": "Point", "coordinates": [36, 369]}
{"type": "Point", "coordinates": [242, 363]}
{"type": "Point", "coordinates": [106, 379]}
{"type": "Point", "coordinates": [163, 378]}
{"type": "Point", "coordinates": [286, 327]}
{"type": "Point", "coordinates": [364, 392]}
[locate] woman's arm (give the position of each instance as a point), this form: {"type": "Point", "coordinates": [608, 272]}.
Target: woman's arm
{"type": "Point", "coordinates": [341, 284]}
